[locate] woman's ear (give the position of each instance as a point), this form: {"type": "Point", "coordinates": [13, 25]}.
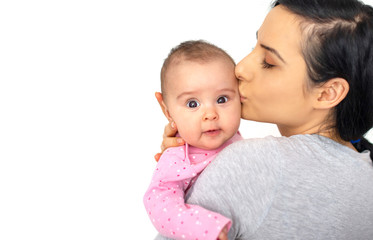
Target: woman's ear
{"type": "Point", "coordinates": [164, 108]}
{"type": "Point", "coordinates": [331, 93]}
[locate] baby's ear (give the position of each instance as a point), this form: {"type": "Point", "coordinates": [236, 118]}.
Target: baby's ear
{"type": "Point", "coordinates": [164, 108]}
{"type": "Point", "coordinates": [166, 112]}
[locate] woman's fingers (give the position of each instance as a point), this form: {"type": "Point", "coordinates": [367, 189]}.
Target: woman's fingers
{"type": "Point", "coordinates": [170, 130]}
{"type": "Point", "coordinates": [171, 142]}
{"type": "Point", "coordinates": [169, 139]}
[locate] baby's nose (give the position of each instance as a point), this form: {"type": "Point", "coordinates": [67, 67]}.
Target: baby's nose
{"type": "Point", "coordinates": [211, 114]}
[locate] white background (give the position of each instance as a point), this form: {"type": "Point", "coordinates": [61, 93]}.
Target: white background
{"type": "Point", "coordinates": [79, 123]}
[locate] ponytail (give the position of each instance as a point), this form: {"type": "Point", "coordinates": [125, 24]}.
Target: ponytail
{"type": "Point", "coordinates": [364, 145]}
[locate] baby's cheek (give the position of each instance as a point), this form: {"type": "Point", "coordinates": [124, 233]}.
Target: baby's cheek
{"type": "Point", "coordinates": [191, 137]}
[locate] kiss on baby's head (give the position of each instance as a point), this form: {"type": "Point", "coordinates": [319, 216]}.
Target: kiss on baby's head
{"type": "Point", "coordinates": [200, 93]}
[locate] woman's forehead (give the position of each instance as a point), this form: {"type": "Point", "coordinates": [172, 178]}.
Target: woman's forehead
{"type": "Point", "coordinates": [281, 31]}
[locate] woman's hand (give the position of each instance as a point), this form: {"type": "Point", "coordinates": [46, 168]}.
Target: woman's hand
{"type": "Point", "coordinates": [169, 139]}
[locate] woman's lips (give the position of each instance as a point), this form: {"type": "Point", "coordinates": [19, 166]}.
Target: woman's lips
{"type": "Point", "coordinates": [242, 99]}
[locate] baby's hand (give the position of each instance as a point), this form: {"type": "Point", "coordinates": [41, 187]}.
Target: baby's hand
{"type": "Point", "coordinates": [223, 235]}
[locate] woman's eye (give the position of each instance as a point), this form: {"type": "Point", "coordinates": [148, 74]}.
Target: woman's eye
{"type": "Point", "coordinates": [222, 100]}
{"type": "Point", "coordinates": [192, 104]}
{"type": "Point", "coordinates": [267, 65]}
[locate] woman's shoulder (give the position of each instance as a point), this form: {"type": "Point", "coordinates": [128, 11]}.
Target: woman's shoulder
{"type": "Point", "coordinates": [299, 143]}
{"type": "Point", "coordinates": [275, 140]}
{"type": "Point", "coordinates": [280, 151]}
{"type": "Point", "coordinates": [261, 146]}
{"type": "Point", "coordinates": [254, 156]}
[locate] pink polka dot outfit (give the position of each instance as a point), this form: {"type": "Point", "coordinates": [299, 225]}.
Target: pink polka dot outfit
{"type": "Point", "coordinates": [164, 201]}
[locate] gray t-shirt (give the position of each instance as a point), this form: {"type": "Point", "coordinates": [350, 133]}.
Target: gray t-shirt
{"type": "Point", "coordinates": [299, 187]}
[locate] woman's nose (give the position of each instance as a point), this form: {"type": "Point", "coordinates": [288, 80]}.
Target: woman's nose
{"type": "Point", "coordinates": [243, 69]}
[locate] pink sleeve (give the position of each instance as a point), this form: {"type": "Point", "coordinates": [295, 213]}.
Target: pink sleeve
{"type": "Point", "coordinates": [166, 208]}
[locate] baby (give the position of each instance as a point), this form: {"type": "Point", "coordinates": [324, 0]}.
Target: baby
{"type": "Point", "coordinates": [200, 95]}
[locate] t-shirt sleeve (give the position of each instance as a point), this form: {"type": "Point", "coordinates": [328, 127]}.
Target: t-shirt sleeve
{"type": "Point", "coordinates": [240, 184]}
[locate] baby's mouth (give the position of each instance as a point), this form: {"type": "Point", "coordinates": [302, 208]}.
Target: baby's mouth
{"type": "Point", "coordinates": [212, 132]}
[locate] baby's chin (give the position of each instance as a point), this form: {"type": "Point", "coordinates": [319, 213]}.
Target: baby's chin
{"type": "Point", "coordinates": [210, 142]}
{"type": "Point", "coordinates": [208, 146]}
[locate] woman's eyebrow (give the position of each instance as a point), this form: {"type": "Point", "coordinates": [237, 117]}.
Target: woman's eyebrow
{"type": "Point", "coordinates": [272, 50]}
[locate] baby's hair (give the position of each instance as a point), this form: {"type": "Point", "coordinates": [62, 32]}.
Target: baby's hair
{"type": "Point", "coordinates": [198, 51]}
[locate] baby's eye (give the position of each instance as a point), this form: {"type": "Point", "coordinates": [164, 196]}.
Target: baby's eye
{"type": "Point", "coordinates": [222, 99]}
{"type": "Point", "coordinates": [192, 104]}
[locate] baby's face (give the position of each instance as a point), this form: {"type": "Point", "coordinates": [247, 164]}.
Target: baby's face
{"type": "Point", "coordinates": [204, 102]}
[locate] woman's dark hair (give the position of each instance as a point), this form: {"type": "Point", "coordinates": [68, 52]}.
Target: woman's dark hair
{"type": "Point", "coordinates": [338, 42]}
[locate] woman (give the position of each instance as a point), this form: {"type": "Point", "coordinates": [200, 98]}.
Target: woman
{"type": "Point", "coordinates": [311, 73]}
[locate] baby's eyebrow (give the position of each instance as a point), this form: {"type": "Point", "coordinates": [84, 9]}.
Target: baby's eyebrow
{"type": "Point", "coordinates": [185, 93]}
{"type": "Point", "coordinates": [188, 93]}
{"type": "Point", "coordinates": [227, 90]}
